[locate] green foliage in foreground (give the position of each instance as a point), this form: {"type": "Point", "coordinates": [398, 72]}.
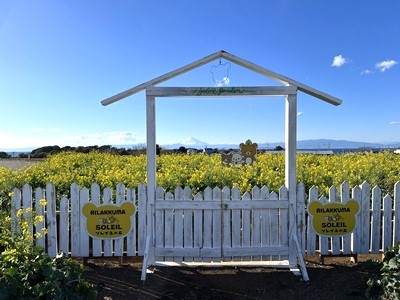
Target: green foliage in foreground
{"type": "Point", "coordinates": [26, 272]}
{"type": "Point", "coordinates": [198, 171]}
{"type": "Point", "coordinates": [386, 282]}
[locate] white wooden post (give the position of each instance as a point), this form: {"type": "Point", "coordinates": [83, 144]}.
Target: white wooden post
{"type": "Point", "coordinates": [290, 169]}
{"type": "Point", "coordinates": [149, 257]}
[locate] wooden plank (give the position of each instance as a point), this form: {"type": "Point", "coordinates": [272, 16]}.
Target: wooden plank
{"type": "Point", "coordinates": [217, 224]}
{"type": "Point", "coordinates": [283, 79]}
{"type": "Point", "coordinates": [273, 251]}
{"type": "Point", "coordinates": [226, 223]}
{"type": "Point", "coordinates": [142, 217]}
{"type": "Point", "coordinates": [97, 244]}
{"type": "Point", "coordinates": [84, 236]}
{"type": "Point", "coordinates": [108, 243]}
{"type": "Point", "coordinates": [231, 251]}
{"type": "Point", "coordinates": [335, 240]}
{"type": "Point", "coordinates": [75, 219]}
{"type": "Point", "coordinates": [246, 226]}
{"type": "Point", "coordinates": [356, 242]}
{"type": "Point", "coordinates": [188, 223]}
{"type": "Point", "coordinates": [160, 221]}
{"type": "Point", "coordinates": [376, 220]}
{"type": "Point", "coordinates": [161, 78]}
{"type": "Point", "coordinates": [119, 199]}
{"type": "Point", "coordinates": [230, 91]}
{"type": "Point", "coordinates": [131, 245]}
{"type": "Point", "coordinates": [256, 204]}
{"type": "Point", "coordinates": [301, 217]}
{"type": "Point", "coordinates": [64, 226]}
{"type": "Point", "coordinates": [52, 247]}
{"type": "Point", "coordinates": [396, 215]}
{"type": "Point", "coordinates": [232, 238]}
{"type": "Point", "coordinates": [27, 205]}
{"type": "Point", "coordinates": [15, 206]}
{"type": "Point", "coordinates": [290, 167]}
{"type": "Point", "coordinates": [40, 211]}
{"type": "Point", "coordinates": [345, 196]}
{"type": "Point", "coordinates": [365, 218]}
{"type": "Point", "coordinates": [283, 217]}
{"type": "Point", "coordinates": [169, 225]}
{"type": "Point", "coordinates": [323, 240]}
{"type": "Point", "coordinates": [265, 223]}
{"type": "Point", "coordinates": [208, 223]}
{"type": "Point", "coordinates": [198, 227]}
{"type": "Point", "coordinates": [387, 223]}
{"type": "Point", "coordinates": [256, 222]}
{"type": "Point", "coordinates": [311, 234]}
{"type": "Point", "coordinates": [276, 220]}
{"type": "Point", "coordinates": [178, 223]}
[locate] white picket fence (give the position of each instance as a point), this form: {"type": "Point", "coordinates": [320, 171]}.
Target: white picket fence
{"type": "Point", "coordinates": [215, 225]}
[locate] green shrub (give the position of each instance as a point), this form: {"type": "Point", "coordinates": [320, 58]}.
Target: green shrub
{"type": "Point", "coordinates": [26, 272]}
{"type": "Point", "coordinates": [386, 283]}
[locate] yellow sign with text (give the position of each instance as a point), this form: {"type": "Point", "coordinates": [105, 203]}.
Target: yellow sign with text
{"type": "Point", "coordinates": [108, 221]}
{"type": "Point", "coordinates": [333, 219]}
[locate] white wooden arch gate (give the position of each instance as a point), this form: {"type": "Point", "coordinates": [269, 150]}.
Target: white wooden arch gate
{"type": "Point", "coordinates": [290, 247]}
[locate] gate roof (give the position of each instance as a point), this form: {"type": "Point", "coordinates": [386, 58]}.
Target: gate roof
{"type": "Point", "coordinates": [234, 59]}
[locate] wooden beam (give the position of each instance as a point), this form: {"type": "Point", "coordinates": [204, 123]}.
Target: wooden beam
{"type": "Point", "coordinates": [162, 78]}
{"type": "Point", "coordinates": [221, 91]}
{"type": "Point", "coordinates": [282, 79]}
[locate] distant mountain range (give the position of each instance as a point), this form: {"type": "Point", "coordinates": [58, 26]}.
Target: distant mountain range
{"type": "Point", "coordinates": [322, 144]}
{"type": "Point", "coordinates": [305, 144]}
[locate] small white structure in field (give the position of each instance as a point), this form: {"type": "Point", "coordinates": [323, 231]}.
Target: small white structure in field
{"type": "Point", "coordinates": [288, 89]}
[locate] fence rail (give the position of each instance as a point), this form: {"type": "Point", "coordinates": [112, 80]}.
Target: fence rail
{"type": "Point", "coordinates": [377, 223]}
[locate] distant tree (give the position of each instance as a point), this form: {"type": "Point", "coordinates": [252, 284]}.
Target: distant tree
{"type": "Point", "coordinates": [182, 149]}
{"type": "Point", "coordinates": [279, 148]}
{"type": "Point", "coordinates": [45, 151]}
{"type": "Point", "coordinates": [4, 155]}
{"type": "Point", "coordinates": [158, 149]}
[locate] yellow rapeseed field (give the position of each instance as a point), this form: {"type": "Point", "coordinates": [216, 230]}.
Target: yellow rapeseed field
{"type": "Point", "coordinates": [198, 171]}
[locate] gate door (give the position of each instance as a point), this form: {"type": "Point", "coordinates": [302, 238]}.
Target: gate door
{"type": "Point", "coordinates": [221, 226]}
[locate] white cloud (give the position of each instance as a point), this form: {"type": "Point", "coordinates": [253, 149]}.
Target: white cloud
{"type": "Point", "coordinates": [339, 61]}
{"type": "Point", "coordinates": [385, 65]}
{"type": "Point", "coordinates": [37, 129]}
{"type": "Point", "coordinates": [300, 113]}
{"type": "Point", "coordinates": [394, 122]}
{"type": "Point", "coordinates": [366, 72]}
{"type": "Point", "coordinates": [104, 138]}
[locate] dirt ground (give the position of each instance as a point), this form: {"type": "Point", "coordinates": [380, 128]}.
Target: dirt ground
{"type": "Point", "coordinates": [18, 163]}
{"type": "Point", "coordinates": [337, 278]}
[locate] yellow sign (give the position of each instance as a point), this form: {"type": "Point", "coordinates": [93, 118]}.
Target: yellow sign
{"type": "Point", "coordinates": [333, 219]}
{"type": "Point", "coordinates": [108, 221]}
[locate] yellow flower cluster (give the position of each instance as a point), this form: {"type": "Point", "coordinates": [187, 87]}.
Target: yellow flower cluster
{"type": "Point", "coordinates": [198, 171]}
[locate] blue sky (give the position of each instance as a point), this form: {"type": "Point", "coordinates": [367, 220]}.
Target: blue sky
{"type": "Point", "coordinates": [59, 59]}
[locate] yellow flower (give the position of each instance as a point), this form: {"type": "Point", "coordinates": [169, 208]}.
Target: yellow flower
{"type": "Point", "coordinates": [44, 230]}
{"type": "Point", "coordinates": [20, 212]}
{"type": "Point", "coordinates": [37, 235]}
{"type": "Point", "coordinates": [10, 194]}
{"type": "Point", "coordinates": [29, 210]}
{"type": "Point", "coordinates": [38, 219]}
{"type": "Point", "coordinates": [43, 202]}
{"type": "Point", "coordinates": [8, 219]}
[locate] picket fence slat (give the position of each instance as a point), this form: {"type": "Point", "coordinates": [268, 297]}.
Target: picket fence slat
{"type": "Point", "coordinates": [346, 239]}
{"type": "Point", "coordinates": [213, 225]}
{"type": "Point", "coordinates": [39, 195]}
{"type": "Point", "coordinates": [396, 215]}
{"type": "Point", "coordinates": [97, 244]}
{"type": "Point", "coordinates": [51, 223]}
{"type": "Point", "coordinates": [376, 219]}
